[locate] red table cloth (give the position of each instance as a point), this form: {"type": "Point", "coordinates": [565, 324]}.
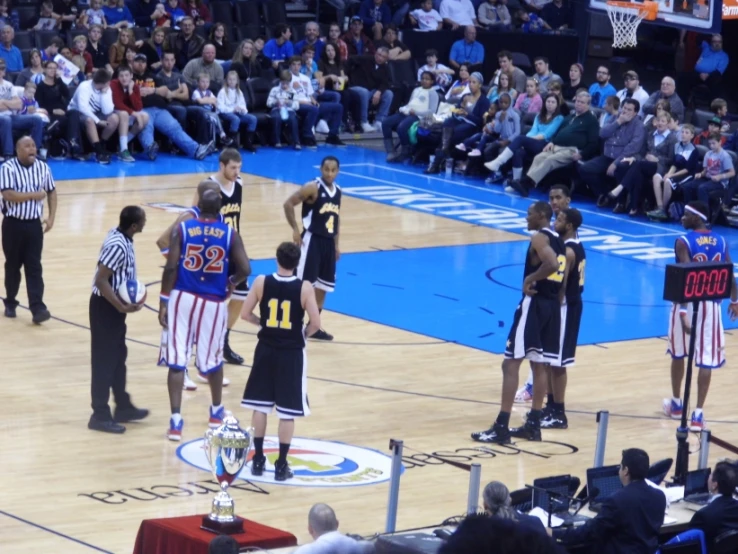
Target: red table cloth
{"type": "Point", "coordinates": [182, 535]}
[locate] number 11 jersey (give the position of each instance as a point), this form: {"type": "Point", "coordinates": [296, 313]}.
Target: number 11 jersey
{"type": "Point", "coordinates": [281, 313]}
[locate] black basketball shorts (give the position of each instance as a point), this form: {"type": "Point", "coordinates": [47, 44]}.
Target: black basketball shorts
{"type": "Point", "coordinates": [318, 261]}
{"type": "Point", "coordinates": [278, 380]}
{"type": "Point", "coordinates": [571, 317]}
{"type": "Point", "coordinates": [536, 331]}
{"type": "Point", "coordinates": [242, 289]}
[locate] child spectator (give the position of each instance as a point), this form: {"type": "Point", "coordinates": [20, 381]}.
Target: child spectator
{"type": "Point", "coordinates": [204, 99]}
{"type": "Point", "coordinates": [612, 106]}
{"type": "Point", "coordinates": [441, 73]}
{"type": "Point", "coordinates": [503, 86]}
{"type": "Point", "coordinates": [46, 19]}
{"type": "Point", "coordinates": [284, 107]}
{"type": "Point", "coordinates": [80, 49]}
{"type": "Point", "coordinates": [713, 127]}
{"type": "Point", "coordinates": [530, 101]}
{"type": "Point", "coordinates": [717, 172]}
{"type": "Point", "coordinates": [234, 113]}
{"type": "Point", "coordinates": [426, 18]}
{"type": "Point", "coordinates": [720, 108]}
{"type": "Point", "coordinates": [30, 106]}
{"type": "Point", "coordinates": [530, 22]}
{"type": "Point", "coordinates": [683, 169]}
{"type": "Point", "coordinates": [94, 15]}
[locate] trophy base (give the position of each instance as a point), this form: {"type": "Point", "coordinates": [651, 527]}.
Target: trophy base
{"type": "Point", "coordinates": [234, 527]}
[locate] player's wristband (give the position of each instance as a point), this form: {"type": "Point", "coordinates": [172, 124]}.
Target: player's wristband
{"type": "Point", "coordinates": [232, 281]}
{"type": "Point", "coordinates": [733, 302]}
{"type": "Point", "coordinates": [165, 252]}
{"type": "Point", "coordinates": [164, 297]}
{"type": "Point", "coordinates": [682, 311]}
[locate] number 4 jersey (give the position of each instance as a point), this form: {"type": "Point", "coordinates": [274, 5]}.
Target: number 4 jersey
{"type": "Point", "coordinates": [322, 216]}
{"type": "Point", "coordinates": [203, 261]}
{"type": "Point", "coordinates": [281, 312]}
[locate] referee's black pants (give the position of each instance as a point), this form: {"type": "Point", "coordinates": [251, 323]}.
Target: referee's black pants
{"type": "Point", "coordinates": [23, 241]}
{"type": "Point", "coordinates": [109, 353]}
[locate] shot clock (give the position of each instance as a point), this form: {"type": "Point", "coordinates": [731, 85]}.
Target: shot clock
{"type": "Point", "coordinates": [698, 282]}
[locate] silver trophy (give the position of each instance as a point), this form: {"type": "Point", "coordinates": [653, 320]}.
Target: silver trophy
{"type": "Point", "coordinates": [226, 448]}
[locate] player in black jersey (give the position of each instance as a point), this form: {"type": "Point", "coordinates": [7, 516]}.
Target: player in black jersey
{"type": "Point", "coordinates": [559, 198]}
{"type": "Point", "coordinates": [535, 332]}
{"type": "Point", "coordinates": [566, 225]}
{"type": "Point", "coordinates": [278, 375]}
{"type": "Point", "coordinates": [318, 240]}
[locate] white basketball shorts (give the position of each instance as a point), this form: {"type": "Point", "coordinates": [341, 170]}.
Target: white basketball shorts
{"type": "Point", "coordinates": [709, 348]}
{"type": "Point", "coordinates": [193, 320]}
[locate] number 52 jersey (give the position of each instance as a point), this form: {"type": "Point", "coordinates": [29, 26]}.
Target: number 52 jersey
{"type": "Point", "coordinates": [203, 261]}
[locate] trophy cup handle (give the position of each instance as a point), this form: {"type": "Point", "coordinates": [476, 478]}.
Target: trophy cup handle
{"type": "Point", "coordinates": [208, 441]}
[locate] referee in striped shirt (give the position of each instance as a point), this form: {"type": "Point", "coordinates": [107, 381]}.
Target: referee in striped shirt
{"type": "Point", "coordinates": [24, 183]}
{"type": "Point", "coordinates": [115, 265]}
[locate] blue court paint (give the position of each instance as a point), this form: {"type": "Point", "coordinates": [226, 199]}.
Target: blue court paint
{"type": "Point", "coordinates": [465, 294]}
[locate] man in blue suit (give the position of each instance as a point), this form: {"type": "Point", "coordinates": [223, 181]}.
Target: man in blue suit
{"type": "Point", "coordinates": [629, 520]}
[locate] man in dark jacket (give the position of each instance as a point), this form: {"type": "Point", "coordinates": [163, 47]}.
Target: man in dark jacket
{"type": "Point", "coordinates": [186, 44]}
{"type": "Point", "coordinates": [629, 520]}
{"type": "Point", "coordinates": [721, 514]}
{"type": "Point", "coordinates": [370, 80]}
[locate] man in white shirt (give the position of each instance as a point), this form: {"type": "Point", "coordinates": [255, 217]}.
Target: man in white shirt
{"type": "Point", "coordinates": [633, 89]}
{"type": "Point", "coordinates": [94, 102]}
{"type": "Point", "coordinates": [311, 110]}
{"type": "Point", "coordinates": [458, 13]}
{"type": "Point", "coordinates": [323, 527]}
{"type": "Point", "coordinates": [10, 121]}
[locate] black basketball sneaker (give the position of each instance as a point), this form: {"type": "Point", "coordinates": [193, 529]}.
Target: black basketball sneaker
{"type": "Point", "coordinates": [498, 433]}
{"type": "Point", "coordinates": [282, 471]}
{"type": "Point", "coordinates": [257, 465]}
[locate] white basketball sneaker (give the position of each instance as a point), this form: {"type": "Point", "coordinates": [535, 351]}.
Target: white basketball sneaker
{"type": "Point", "coordinates": [189, 384]}
{"type": "Point", "coordinates": [204, 379]}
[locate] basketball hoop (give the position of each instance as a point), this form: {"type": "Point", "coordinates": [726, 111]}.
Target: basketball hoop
{"type": "Point", "coordinates": [625, 18]}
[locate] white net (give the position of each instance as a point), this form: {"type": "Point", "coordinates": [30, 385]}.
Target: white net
{"type": "Point", "coordinates": [625, 23]}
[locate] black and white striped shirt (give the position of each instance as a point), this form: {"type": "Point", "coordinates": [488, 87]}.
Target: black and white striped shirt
{"type": "Point", "coordinates": [117, 255]}
{"type": "Point", "coordinates": [19, 178]}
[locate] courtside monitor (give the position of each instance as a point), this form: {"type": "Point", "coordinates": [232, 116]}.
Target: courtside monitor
{"type": "Point", "coordinates": [606, 479]}
{"type": "Point", "coordinates": [559, 485]}
{"type": "Point", "coordinates": [704, 16]}
{"type": "Point", "coordinates": [696, 482]}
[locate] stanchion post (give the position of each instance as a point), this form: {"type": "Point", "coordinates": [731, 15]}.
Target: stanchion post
{"type": "Point", "coordinates": [704, 449]}
{"type": "Point", "coordinates": [394, 488]}
{"type": "Point", "coordinates": [603, 418]}
{"type": "Point", "coordinates": [475, 480]}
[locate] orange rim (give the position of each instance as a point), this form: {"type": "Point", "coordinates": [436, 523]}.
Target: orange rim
{"type": "Point", "coordinates": [651, 9]}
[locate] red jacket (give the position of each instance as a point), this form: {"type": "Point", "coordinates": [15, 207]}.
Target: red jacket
{"type": "Point", "coordinates": [123, 101]}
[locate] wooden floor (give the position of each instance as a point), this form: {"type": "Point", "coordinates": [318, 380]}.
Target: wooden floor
{"type": "Point", "coordinates": [374, 383]}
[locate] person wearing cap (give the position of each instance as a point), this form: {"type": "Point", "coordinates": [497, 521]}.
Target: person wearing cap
{"type": "Point", "coordinates": [633, 89]}
{"type": "Point", "coordinates": [356, 40]}
{"type": "Point", "coordinates": [713, 127]}
{"type": "Point", "coordinates": [467, 51]}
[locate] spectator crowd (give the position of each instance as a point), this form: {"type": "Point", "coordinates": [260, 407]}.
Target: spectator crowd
{"type": "Point", "coordinates": [135, 77]}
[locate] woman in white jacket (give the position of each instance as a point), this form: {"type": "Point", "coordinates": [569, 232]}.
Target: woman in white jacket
{"type": "Point", "coordinates": [234, 113]}
{"type": "Point", "coordinates": [423, 102]}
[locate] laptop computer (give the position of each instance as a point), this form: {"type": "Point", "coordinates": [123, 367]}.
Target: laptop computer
{"type": "Point", "coordinates": [607, 480]}
{"type": "Point", "coordinates": [695, 486]}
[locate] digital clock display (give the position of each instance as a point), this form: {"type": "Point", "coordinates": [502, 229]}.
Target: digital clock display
{"type": "Point", "coordinates": [696, 282]}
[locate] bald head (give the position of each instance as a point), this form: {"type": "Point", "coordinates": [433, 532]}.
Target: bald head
{"type": "Point", "coordinates": [209, 203]}
{"type": "Point", "coordinates": [322, 520]}
{"type": "Point", "coordinates": [208, 53]}
{"type": "Point", "coordinates": [202, 186]}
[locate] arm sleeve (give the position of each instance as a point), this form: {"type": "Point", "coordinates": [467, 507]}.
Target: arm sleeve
{"type": "Point", "coordinates": [552, 127]}
{"type": "Point", "coordinates": [48, 185]}
{"type": "Point", "coordinates": [106, 103]}
{"type": "Point", "coordinates": [7, 181]}
{"type": "Point", "coordinates": [222, 98]}
{"type": "Point", "coordinates": [118, 102]}
{"type": "Point", "coordinates": [516, 124]}
{"type": "Point", "coordinates": [272, 99]}
{"type": "Point", "coordinates": [482, 14]}
{"type": "Point", "coordinates": [595, 530]}
{"type": "Point", "coordinates": [593, 140]}
{"type": "Point", "coordinates": [634, 147]}
{"type": "Point", "coordinates": [83, 95]}
{"type": "Point", "coordinates": [112, 256]}
{"type": "Point", "coordinates": [536, 104]}
{"type": "Point", "coordinates": [241, 101]}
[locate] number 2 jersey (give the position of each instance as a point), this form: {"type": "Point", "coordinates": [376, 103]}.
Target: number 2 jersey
{"type": "Point", "coordinates": [203, 261]}
{"type": "Point", "coordinates": [549, 287]}
{"type": "Point", "coordinates": [322, 217]}
{"type": "Point", "coordinates": [281, 313]}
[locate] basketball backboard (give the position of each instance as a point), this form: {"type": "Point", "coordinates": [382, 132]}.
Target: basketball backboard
{"type": "Point", "coordinates": [704, 16]}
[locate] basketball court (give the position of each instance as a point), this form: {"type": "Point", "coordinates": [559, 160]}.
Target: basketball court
{"type": "Point", "coordinates": [429, 277]}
